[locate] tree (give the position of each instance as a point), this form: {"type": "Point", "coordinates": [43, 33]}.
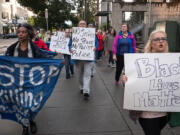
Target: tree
{"type": "Point", "coordinates": [91, 9]}
{"type": "Point", "coordinates": [58, 12]}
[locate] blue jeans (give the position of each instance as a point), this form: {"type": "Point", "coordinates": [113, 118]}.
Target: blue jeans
{"type": "Point", "coordinates": [68, 65]}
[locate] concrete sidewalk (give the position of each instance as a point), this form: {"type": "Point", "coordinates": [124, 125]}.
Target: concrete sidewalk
{"type": "Point", "coordinates": [67, 113]}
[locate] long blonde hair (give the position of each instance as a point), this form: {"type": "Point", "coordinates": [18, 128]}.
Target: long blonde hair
{"type": "Point", "coordinates": [148, 47]}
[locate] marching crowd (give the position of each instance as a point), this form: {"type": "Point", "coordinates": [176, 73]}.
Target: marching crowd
{"type": "Point", "coordinates": [109, 43]}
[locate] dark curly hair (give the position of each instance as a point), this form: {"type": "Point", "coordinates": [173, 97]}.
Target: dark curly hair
{"type": "Point", "coordinates": [29, 29]}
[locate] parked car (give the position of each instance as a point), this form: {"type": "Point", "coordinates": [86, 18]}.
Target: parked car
{"type": "Point", "coordinates": [11, 35]}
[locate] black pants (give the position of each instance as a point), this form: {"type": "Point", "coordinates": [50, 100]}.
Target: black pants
{"type": "Point", "coordinates": [153, 126]}
{"type": "Point", "coordinates": [111, 57]}
{"type": "Point", "coordinates": [119, 66]}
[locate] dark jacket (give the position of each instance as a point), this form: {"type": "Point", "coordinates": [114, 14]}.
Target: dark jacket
{"type": "Point", "coordinates": [37, 52]}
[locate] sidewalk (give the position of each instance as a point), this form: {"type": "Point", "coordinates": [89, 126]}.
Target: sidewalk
{"type": "Point", "coordinates": [67, 113]}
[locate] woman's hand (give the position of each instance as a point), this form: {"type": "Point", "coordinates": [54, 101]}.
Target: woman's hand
{"type": "Point", "coordinates": [124, 79]}
{"type": "Point", "coordinates": [94, 49]}
{"type": "Point", "coordinates": [114, 58]}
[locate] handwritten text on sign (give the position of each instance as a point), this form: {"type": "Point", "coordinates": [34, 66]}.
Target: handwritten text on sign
{"type": "Point", "coordinates": [83, 43]}
{"type": "Point", "coordinates": [60, 43]}
{"type": "Point", "coordinates": [153, 82]}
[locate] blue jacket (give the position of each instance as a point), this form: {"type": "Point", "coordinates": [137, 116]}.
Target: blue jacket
{"type": "Point", "coordinates": [117, 43]}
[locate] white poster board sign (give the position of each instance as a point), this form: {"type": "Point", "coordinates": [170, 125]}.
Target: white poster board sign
{"type": "Point", "coordinates": [60, 43]}
{"type": "Point", "coordinates": [83, 43]}
{"type": "Point", "coordinates": [153, 82]}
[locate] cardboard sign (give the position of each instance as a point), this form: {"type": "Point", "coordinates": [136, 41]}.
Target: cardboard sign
{"type": "Point", "coordinates": [83, 43]}
{"type": "Point", "coordinates": [60, 43]}
{"type": "Point", "coordinates": [153, 82]}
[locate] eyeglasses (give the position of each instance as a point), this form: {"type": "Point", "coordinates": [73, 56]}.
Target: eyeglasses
{"type": "Point", "coordinates": [163, 39]}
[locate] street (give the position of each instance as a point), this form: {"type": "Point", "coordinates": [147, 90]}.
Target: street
{"type": "Point", "coordinates": [4, 43]}
{"type": "Point", "coordinates": [67, 113]}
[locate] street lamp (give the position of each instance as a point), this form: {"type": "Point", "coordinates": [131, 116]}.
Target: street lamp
{"type": "Point", "coordinates": [46, 16]}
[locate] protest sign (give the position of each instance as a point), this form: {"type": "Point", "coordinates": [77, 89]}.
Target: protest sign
{"type": "Point", "coordinates": [83, 43]}
{"type": "Point", "coordinates": [60, 43]}
{"type": "Point", "coordinates": [153, 82]}
{"type": "Point", "coordinates": [25, 85]}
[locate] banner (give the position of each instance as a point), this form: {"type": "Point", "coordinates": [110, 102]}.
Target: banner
{"type": "Point", "coordinates": [25, 86]}
{"type": "Point", "coordinates": [83, 43]}
{"type": "Point", "coordinates": [60, 43]}
{"type": "Point", "coordinates": [153, 82]}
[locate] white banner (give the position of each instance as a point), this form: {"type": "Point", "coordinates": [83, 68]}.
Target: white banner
{"type": "Point", "coordinates": [60, 43]}
{"type": "Point", "coordinates": [83, 43]}
{"type": "Point", "coordinates": [153, 82]}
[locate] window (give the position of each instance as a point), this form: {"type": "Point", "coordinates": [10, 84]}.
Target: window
{"type": "Point", "coordinates": [4, 15]}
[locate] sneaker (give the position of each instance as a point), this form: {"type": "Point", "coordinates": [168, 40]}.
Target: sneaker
{"type": "Point", "coordinates": [116, 82]}
{"type": "Point", "coordinates": [92, 76]}
{"type": "Point", "coordinates": [86, 96]}
{"type": "Point", "coordinates": [113, 65]}
{"type": "Point", "coordinates": [25, 131]}
{"type": "Point", "coordinates": [109, 65]}
{"type": "Point", "coordinates": [68, 77]}
{"type": "Point", "coordinates": [81, 91]}
{"type": "Point", "coordinates": [33, 127]}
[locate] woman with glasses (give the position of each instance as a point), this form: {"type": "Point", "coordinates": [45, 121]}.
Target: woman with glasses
{"type": "Point", "coordinates": [153, 122]}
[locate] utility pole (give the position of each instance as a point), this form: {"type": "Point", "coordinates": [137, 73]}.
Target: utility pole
{"type": "Point", "coordinates": [149, 16]}
{"type": "Point", "coordinates": [85, 10]}
{"type": "Point", "coordinates": [107, 15]}
{"type": "Point", "coordinates": [46, 16]}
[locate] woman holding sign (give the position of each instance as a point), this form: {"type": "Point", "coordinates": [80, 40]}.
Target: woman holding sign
{"type": "Point", "coordinates": [124, 42]}
{"type": "Point", "coordinates": [153, 122]}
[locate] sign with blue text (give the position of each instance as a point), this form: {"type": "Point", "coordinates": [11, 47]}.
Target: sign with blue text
{"type": "Point", "coordinates": [153, 82]}
{"type": "Point", "coordinates": [25, 86]}
{"type": "Point", "coordinates": [83, 43]}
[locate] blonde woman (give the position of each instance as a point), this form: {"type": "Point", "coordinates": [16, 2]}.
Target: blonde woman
{"type": "Point", "coordinates": [153, 122]}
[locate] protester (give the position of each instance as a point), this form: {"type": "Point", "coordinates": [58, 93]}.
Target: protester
{"type": "Point", "coordinates": [43, 35]}
{"type": "Point", "coordinates": [108, 43]}
{"type": "Point", "coordinates": [84, 68]}
{"type": "Point", "coordinates": [153, 122]}
{"type": "Point", "coordinates": [97, 44]}
{"type": "Point", "coordinates": [124, 42]}
{"type": "Point", "coordinates": [24, 47]}
{"type": "Point", "coordinates": [39, 42]}
{"type": "Point", "coordinates": [100, 48]}
{"type": "Point", "coordinates": [68, 62]}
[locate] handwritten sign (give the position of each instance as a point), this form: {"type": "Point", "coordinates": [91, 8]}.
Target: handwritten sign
{"type": "Point", "coordinates": [60, 43]}
{"type": "Point", "coordinates": [153, 82]}
{"type": "Point", "coordinates": [83, 43]}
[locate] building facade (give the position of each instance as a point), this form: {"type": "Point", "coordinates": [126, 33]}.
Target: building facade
{"type": "Point", "coordinates": [104, 13]}
{"type": "Point", "coordinates": [157, 11]}
{"type": "Point", "coordinates": [11, 14]}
